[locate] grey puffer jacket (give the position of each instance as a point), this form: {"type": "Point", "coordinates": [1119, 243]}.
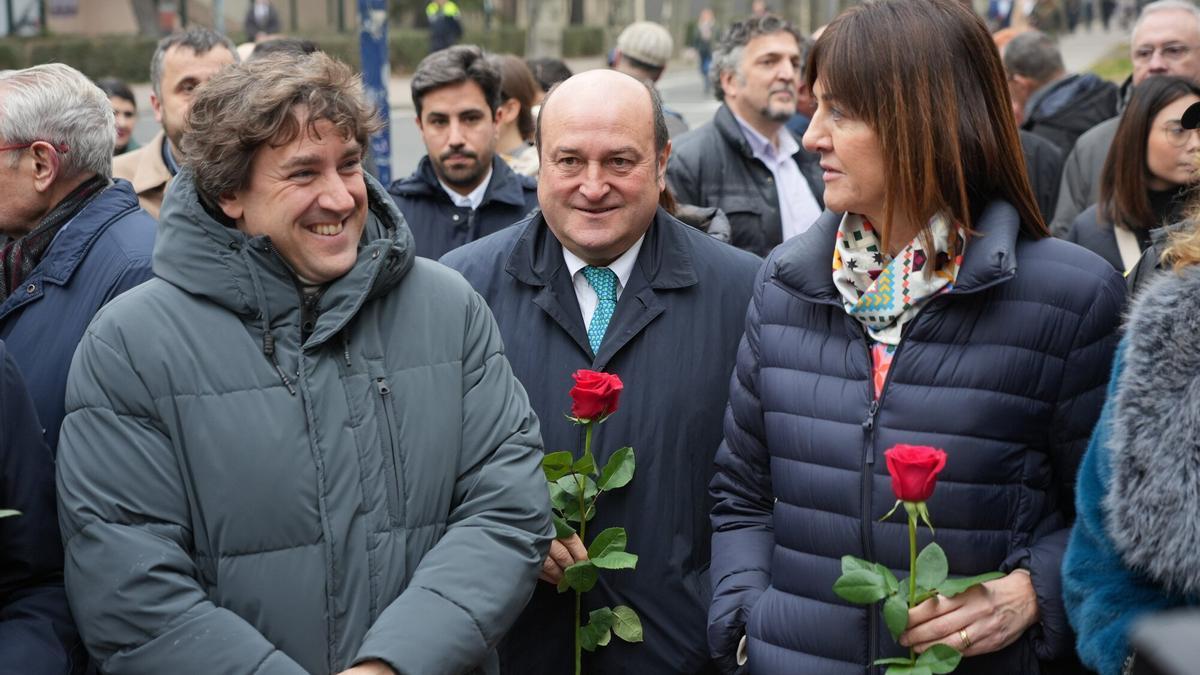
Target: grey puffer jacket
{"type": "Point", "coordinates": [249, 484]}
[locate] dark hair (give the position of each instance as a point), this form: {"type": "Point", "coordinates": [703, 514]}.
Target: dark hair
{"type": "Point", "coordinates": [116, 88]}
{"type": "Point", "coordinates": [1123, 191]}
{"type": "Point", "coordinates": [1033, 54]}
{"type": "Point", "coordinates": [200, 40]}
{"type": "Point", "coordinates": [254, 104]}
{"type": "Point", "coordinates": [285, 45]}
{"type": "Point", "coordinates": [548, 72]}
{"type": "Point", "coordinates": [727, 55]}
{"type": "Point", "coordinates": [516, 82]}
{"type": "Point", "coordinates": [455, 65]}
{"type": "Point", "coordinates": [926, 77]}
{"type": "Point", "coordinates": [661, 135]}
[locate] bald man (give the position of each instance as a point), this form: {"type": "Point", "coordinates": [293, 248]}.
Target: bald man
{"type": "Point", "coordinates": [680, 298]}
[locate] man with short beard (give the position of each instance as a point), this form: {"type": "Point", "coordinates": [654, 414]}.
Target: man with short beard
{"type": "Point", "coordinates": [745, 162]}
{"type": "Point", "coordinates": [181, 63]}
{"type": "Point", "coordinates": [461, 190]}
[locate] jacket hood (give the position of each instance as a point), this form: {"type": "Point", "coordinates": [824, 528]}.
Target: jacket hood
{"type": "Point", "coordinates": [1150, 507]}
{"type": "Point", "coordinates": [206, 258]}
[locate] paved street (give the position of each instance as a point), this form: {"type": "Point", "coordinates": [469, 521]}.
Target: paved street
{"type": "Point", "coordinates": [681, 89]}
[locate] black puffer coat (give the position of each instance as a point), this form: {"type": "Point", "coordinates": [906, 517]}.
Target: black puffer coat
{"type": "Point", "coordinates": [1006, 372]}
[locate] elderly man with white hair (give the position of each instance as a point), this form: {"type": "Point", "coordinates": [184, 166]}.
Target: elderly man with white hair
{"type": "Point", "coordinates": [76, 238]}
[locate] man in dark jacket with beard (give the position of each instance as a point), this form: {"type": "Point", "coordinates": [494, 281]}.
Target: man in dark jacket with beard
{"type": "Point", "coordinates": [746, 162]}
{"type": "Point", "coordinates": [461, 190]}
{"type": "Point", "coordinates": [604, 280]}
{"type": "Point", "coordinates": [300, 448]}
{"type": "Point", "coordinates": [1054, 105]}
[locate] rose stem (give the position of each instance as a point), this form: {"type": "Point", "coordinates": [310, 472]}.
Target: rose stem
{"type": "Point", "coordinates": [912, 567]}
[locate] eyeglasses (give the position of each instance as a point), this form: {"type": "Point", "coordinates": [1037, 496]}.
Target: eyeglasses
{"type": "Point", "coordinates": [1177, 136]}
{"type": "Point", "coordinates": [1174, 51]}
{"type": "Point", "coordinates": [61, 147]}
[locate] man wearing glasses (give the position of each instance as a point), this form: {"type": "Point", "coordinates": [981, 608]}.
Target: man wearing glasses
{"type": "Point", "coordinates": [75, 238]}
{"type": "Point", "coordinates": [72, 240]}
{"type": "Point", "coordinates": [1165, 41]}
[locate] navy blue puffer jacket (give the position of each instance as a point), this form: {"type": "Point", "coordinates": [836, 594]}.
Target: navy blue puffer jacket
{"type": "Point", "coordinates": [1006, 372]}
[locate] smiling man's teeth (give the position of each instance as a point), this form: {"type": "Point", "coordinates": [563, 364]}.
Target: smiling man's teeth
{"type": "Point", "coordinates": [327, 230]}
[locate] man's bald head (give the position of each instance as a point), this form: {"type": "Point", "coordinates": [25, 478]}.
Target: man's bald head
{"type": "Point", "coordinates": [607, 90]}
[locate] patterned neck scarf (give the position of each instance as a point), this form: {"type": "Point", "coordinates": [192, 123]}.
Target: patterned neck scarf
{"type": "Point", "coordinates": [19, 257]}
{"type": "Point", "coordinates": [884, 295]}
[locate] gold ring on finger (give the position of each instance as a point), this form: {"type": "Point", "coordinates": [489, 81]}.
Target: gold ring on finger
{"type": "Point", "coordinates": [965, 639]}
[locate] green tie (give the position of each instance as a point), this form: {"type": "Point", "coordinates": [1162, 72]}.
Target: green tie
{"type": "Point", "coordinates": [604, 282]}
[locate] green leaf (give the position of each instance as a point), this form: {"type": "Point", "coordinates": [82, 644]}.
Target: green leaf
{"type": "Point", "coordinates": [850, 564]}
{"type": "Point", "coordinates": [894, 661]}
{"type": "Point", "coordinates": [931, 566]}
{"type": "Point", "coordinates": [585, 465]}
{"type": "Point", "coordinates": [861, 587]}
{"type": "Point", "coordinates": [562, 530]}
{"type": "Point", "coordinates": [940, 659]}
{"type": "Point", "coordinates": [626, 624]}
{"type": "Point", "coordinates": [616, 561]}
{"type": "Point", "coordinates": [7, 513]}
{"type": "Point", "coordinates": [889, 579]}
{"type": "Point", "coordinates": [559, 498]}
{"type": "Point", "coordinates": [952, 587]}
{"type": "Point", "coordinates": [895, 615]}
{"type": "Point", "coordinates": [610, 540]}
{"type": "Point", "coordinates": [908, 670]}
{"type": "Point", "coordinates": [581, 576]}
{"type": "Point", "coordinates": [597, 632]}
{"type": "Point", "coordinates": [923, 510]}
{"type": "Point", "coordinates": [570, 484]}
{"type": "Point", "coordinates": [619, 470]}
{"type": "Point", "coordinates": [556, 465]}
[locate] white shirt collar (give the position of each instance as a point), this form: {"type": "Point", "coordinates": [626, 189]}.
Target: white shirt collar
{"type": "Point", "coordinates": [763, 148]}
{"type": "Point", "coordinates": [622, 266]}
{"type": "Point", "coordinates": [473, 199]}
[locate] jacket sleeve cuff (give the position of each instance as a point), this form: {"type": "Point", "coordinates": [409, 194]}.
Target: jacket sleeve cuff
{"type": "Point", "coordinates": [1051, 637]}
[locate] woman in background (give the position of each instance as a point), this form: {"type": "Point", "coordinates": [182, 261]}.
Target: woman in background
{"type": "Point", "coordinates": [124, 110]}
{"type": "Point", "coordinates": [518, 91]}
{"type": "Point", "coordinates": [1149, 170]}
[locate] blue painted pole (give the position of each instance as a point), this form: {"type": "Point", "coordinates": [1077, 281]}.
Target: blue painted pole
{"type": "Point", "coordinates": [372, 21]}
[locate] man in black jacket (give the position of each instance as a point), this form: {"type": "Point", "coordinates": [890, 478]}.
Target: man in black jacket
{"type": "Point", "coordinates": [605, 280]}
{"type": "Point", "coordinates": [461, 189]}
{"type": "Point", "coordinates": [745, 162]}
{"type": "Point", "coordinates": [1054, 104]}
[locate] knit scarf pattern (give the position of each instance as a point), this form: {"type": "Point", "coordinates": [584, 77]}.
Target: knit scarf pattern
{"type": "Point", "coordinates": [886, 294]}
{"type": "Point", "coordinates": [20, 257]}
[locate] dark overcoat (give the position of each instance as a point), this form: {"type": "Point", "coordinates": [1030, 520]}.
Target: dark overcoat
{"type": "Point", "coordinates": [102, 252]}
{"type": "Point", "coordinates": [672, 341]}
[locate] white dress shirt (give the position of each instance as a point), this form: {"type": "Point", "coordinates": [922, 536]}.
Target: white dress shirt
{"type": "Point", "coordinates": [798, 208]}
{"type": "Point", "coordinates": [471, 200]}
{"type": "Point", "coordinates": [584, 293]}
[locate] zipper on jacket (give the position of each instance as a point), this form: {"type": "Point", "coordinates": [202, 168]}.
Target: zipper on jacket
{"type": "Point", "coordinates": [390, 451]}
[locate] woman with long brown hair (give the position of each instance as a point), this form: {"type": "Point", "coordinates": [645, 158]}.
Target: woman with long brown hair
{"type": "Point", "coordinates": [930, 308]}
{"type": "Point", "coordinates": [1150, 168]}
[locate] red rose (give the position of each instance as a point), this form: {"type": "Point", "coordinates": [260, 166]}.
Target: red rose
{"type": "Point", "coordinates": [914, 470]}
{"type": "Point", "coordinates": [594, 395]}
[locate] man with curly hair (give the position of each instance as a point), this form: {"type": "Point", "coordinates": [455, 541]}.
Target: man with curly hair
{"type": "Point", "coordinates": [300, 449]}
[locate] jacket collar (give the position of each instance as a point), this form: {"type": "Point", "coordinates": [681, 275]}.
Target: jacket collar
{"type": "Point", "coordinates": [206, 258]}
{"type": "Point", "coordinates": [665, 259]}
{"type": "Point", "coordinates": [664, 263]}
{"type": "Point", "coordinates": [805, 262]}
{"type": "Point", "coordinates": [80, 233]}
{"type": "Point", "coordinates": [151, 170]}
{"type": "Point", "coordinates": [729, 129]}
{"type": "Point", "coordinates": [505, 186]}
